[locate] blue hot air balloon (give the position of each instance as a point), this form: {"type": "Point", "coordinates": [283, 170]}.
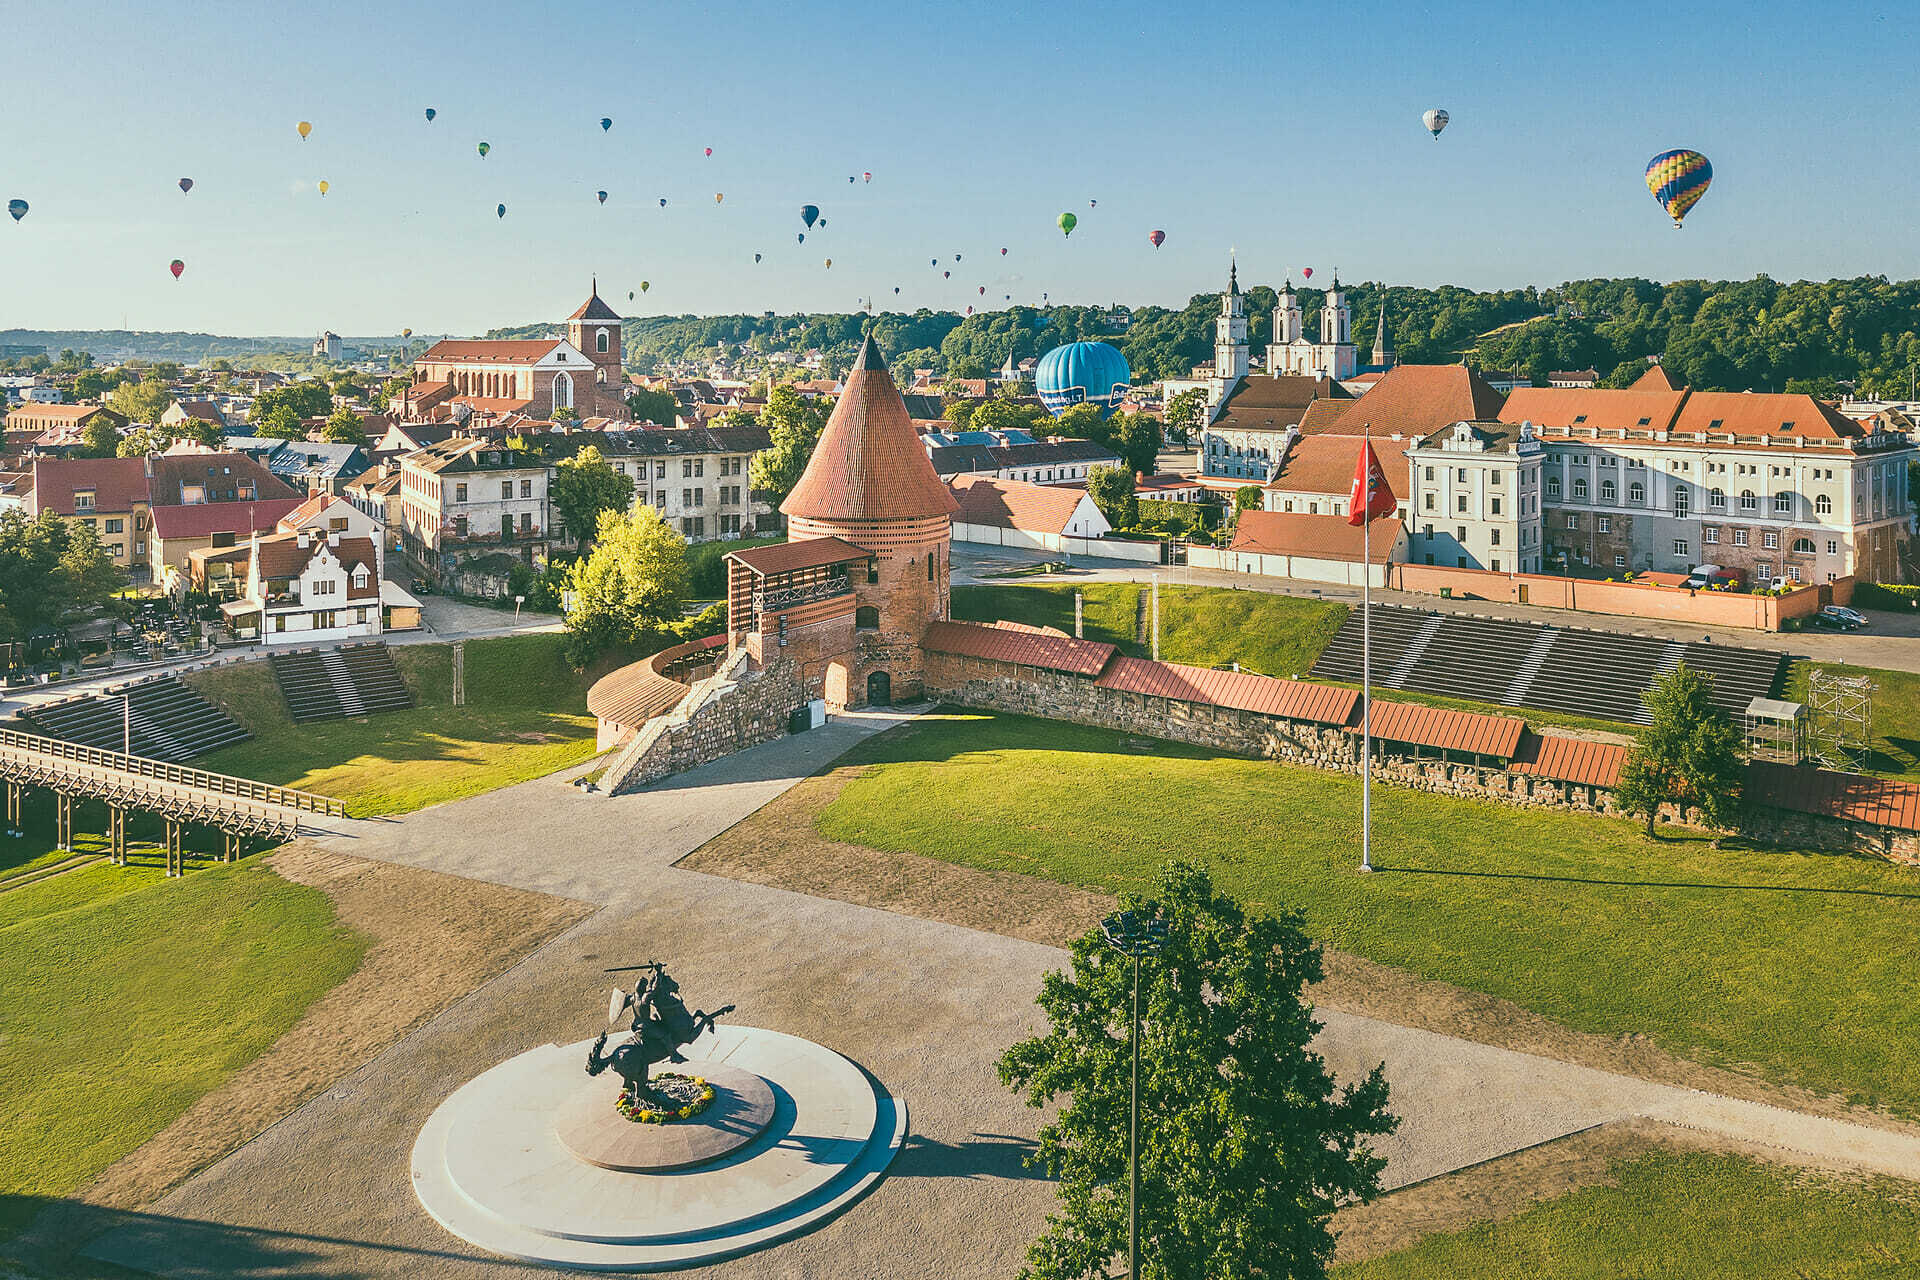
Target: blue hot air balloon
{"type": "Point", "coordinates": [1082, 373]}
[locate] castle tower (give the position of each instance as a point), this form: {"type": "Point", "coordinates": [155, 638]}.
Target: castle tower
{"type": "Point", "coordinates": [595, 329]}
{"type": "Point", "coordinates": [1230, 361]}
{"type": "Point", "coordinates": [870, 484]}
{"type": "Point", "coordinates": [1383, 357]}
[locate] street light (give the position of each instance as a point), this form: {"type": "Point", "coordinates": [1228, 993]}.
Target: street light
{"type": "Point", "coordinates": [1137, 936]}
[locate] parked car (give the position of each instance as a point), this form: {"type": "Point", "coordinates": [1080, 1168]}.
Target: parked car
{"type": "Point", "coordinates": [1837, 617]}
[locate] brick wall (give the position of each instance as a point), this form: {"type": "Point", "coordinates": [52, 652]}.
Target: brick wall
{"type": "Point", "coordinates": [1706, 608]}
{"type": "Point", "coordinates": [751, 710]}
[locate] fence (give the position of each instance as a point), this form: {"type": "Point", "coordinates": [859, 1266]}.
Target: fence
{"type": "Point", "coordinates": [159, 770]}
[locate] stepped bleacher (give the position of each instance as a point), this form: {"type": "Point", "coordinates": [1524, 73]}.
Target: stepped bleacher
{"type": "Point", "coordinates": [168, 721]}
{"type": "Point", "coordinates": [331, 684]}
{"type": "Point", "coordinates": [1548, 668]}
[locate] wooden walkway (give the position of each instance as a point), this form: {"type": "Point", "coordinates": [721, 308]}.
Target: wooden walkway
{"type": "Point", "coordinates": [240, 809]}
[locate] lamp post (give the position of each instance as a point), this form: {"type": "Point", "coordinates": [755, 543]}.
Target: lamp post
{"type": "Point", "coordinates": [1136, 936]}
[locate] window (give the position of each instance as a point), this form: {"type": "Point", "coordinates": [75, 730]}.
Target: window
{"type": "Point", "coordinates": [1495, 540]}
{"type": "Point", "coordinates": [866, 618]}
{"type": "Point", "coordinates": [1573, 522]}
{"type": "Point", "coordinates": [526, 488]}
{"type": "Point", "coordinates": [116, 526]}
{"type": "Point", "coordinates": [1429, 473]}
{"type": "Point", "coordinates": [1763, 572]}
{"type": "Point", "coordinates": [1823, 505]}
{"type": "Point", "coordinates": [600, 341]}
{"type": "Point", "coordinates": [1495, 565]}
{"type": "Point", "coordinates": [1783, 504]}
{"type": "Point", "coordinates": [730, 524]}
{"type": "Point", "coordinates": [1429, 498]}
{"type": "Point", "coordinates": [929, 566]}
{"type": "Point", "coordinates": [1460, 474]}
{"type": "Point", "coordinates": [1803, 546]}
{"type": "Point", "coordinates": [1769, 539]}
{"type": "Point", "coordinates": [1748, 502]}
{"type": "Point", "coordinates": [526, 522]}
{"type": "Point", "coordinates": [1717, 499]}
{"type": "Point", "coordinates": [460, 493]}
{"type": "Point", "coordinates": [1580, 488]}
{"type": "Point", "coordinates": [506, 489]}
{"type": "Point", "coordinates": [1619, 562]}
{"type": "Point", "coordinates": [1833, 547]}
{"type": "Point", "coordinates": [83, 499]}
{"type": "Point", "coordinates": [1609, 492]}
{"type": "Point", "coordinates": [659, 470]}
{"type": "Point", "coordinates": [1603, 524]}
{"type": "Point", "coordinates": [1636, 493]}
{"type": "Point", "coordinates": [1553, 486]}
{"type": "Point", "coordinates": [1680, 547]}
{"type": "Point", "coordinates": [686, 468]}
{"type": "Point", "coordinates": [360, 578]}
{"type": "Point", "coordinates": [873, 572]}
{"type": "Point", "coordinates": [338, 524]}
{"type": "Point", "coordinates": [460, 526]}
{"type": "Point", "coordinates": [1460, 502]}
{"type": "Point", "coordinates": [1496, 505]}
{"type": "Point", "coordinates": [1739, 537]}
{"type": "Point", "coordinates": [1460, 533]}
{"type": "Point", "coordinates": [1710, 536]}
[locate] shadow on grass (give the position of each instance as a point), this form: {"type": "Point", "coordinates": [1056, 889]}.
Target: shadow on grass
{"type": "Point", "coordinates": [1644, 884]}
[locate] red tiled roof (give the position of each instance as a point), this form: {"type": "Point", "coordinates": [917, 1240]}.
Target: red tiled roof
{"type": "Point", "coordinates": [495, 404]}
{"type": "Point", "coordinates": [1447, 730]}
{"type": "Point", "coordinates": [1027, 648]}
{"type": "Point", "coordinates": [1015, 504]}
{"type": "Point", "coordinates": [1410, 400]}
{"type": "Point", "coordinates": [1288, 699]}
{"type": "Point", "coordinates": [869, 464]}
{"type": "Point", "coordinates": [42, 414]}
{"type": "Point", "coordinates": [1654, 379]}
{"type": "Point", "coordinates": [491, 351]}
{"type": "Point", "coordinates": [807, 553]}
{"type": "Point", "coordinates": [1557, 408]}
{"type": "Point", "coordinates": [204, 519]}
{"type": "Point", "coordinates": [117, 483]}
{"type": "Point", "coordinates": [1780, 416]}
{"type": "Point", "coordinates": [1325, 464]}
{"type": "Point", "coordinates": [594, 309]}
{"type": "Point", "coordinates": [1292, 533]}
{"type": "Point", "coordinates": [217, 473]}
{"type": "Point", "coordinates": [282, 556]}
{"type": "Point", "coordinates": [1552, 755]}
{"type": "Point", "coordinates": [633, 694]}
{"type": "Point", "coordinates": [1884, 802]}
{"type": "Point", "coordinates": [1264, 402]}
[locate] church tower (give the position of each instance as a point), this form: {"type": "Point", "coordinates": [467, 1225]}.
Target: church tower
{"type": "Point", "coordinates": [1287, 327]}
{"type": "Point", "coordinates": [869, 484]}
{"type": "Point", "coordinates": [1383, 357]}
{"type": "Point", "coordinates": [1336, 317]}
{"type": "Point", "coordinates": [1230, 361]}
{"type": "Point", "coordinates": [595, 330]}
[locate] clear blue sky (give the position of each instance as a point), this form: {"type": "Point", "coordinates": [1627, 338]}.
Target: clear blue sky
{"type": "Point", "coordinates": [1289, 134]}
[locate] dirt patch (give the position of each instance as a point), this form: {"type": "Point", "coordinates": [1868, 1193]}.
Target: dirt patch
{"type": "Point", "coordinates": [434, 938]}
{"type": "Point", "coordinates": [779, 846]}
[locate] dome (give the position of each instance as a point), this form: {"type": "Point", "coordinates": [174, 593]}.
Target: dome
{"type": "Point", "coordinates": [1090, 372]}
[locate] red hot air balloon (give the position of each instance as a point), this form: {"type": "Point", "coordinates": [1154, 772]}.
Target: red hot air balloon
{"type": "Point", "coordinates": [1003, 253]}
{"type": "Point", "coordinates": [709, 150]}
{"type": "Point", "coordinates": [983, 291]}
{"type": "Point", "coordinates": [1157, 238]}
{"type": "Point", "coordinates": [947, 275]}
{"type": "Point", "coordinates": [868, 175]}
{"type": "Point", "coordinates": [176, 266]}
{"type": "Point", "coordinates": [1306, 272]}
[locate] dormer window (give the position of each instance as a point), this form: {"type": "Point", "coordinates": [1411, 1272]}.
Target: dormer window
{"type": "Point", "coordinates": [1644, 421]}
{"type": "Point", "coordinates": [360, 578]}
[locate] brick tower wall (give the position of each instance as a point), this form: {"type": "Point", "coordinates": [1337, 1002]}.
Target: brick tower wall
{"type": "Point", "coordinates": [903, 592]}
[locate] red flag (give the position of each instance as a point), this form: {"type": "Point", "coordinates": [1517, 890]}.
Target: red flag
{"type": "Point", "coordinates": [1371, 498]}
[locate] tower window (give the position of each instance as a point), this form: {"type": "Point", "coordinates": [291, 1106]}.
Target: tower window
{"type": "Point", "coordinates": [873, 572]}
{"type": "Point", "coordinates": [866, 618]}
{"type": "Point", "coordinates": [929, 566]}
{"type": "Point", "coordinates": [600, 341]}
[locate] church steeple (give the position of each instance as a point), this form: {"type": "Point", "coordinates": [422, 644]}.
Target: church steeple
{"type": "Point", "coordinates": [1230, 360]}
{"type": "Point", "coordinates": [1382, 349]}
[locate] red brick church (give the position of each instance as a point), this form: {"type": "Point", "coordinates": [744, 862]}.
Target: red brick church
{"type": "Point", "coordinates": [850, 595]}
{"type": "Point", "coordinates": [536, 377]}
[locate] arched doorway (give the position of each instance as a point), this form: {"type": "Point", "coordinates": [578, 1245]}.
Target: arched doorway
{"type": "Point", "coordinates": [879, 689]}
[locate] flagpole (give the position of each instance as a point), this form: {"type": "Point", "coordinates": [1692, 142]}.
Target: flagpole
{"type": "Point", "coordinates": [1366, 657]}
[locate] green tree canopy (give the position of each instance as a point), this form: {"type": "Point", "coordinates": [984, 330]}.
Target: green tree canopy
{"type": "Point", "coordinates": [1111, 489]}
{"type": "Point", "coordinates": [1137, 438]}
{"type": "Point", "coordinates": [142, 401]}
{"type": "Point", "coordinates": [306, 399]}
{"type": "Point", "coordinates": [90, 384]}
{"type": "Point", "coordinates": [583, 487]}
{"type": "Point", "coordinates": [1184, 414]}
{"type": "Point", "coordinates": [281, 423]}
{"type": "Point", "coordinates": [142, 441]}
{"type": "Point", "coordinates": [652, 406]}
{"type": "Point", "coordinates": [100, 438]}
{"type": "Point", "coordinates": [1247, 1147]}
{"type": "Point", "coordinates": [1689, 755]}
{"type": "Point", "coordinates": [344, 426]}
{"type": "Point", "coordinates": [630, 589]}
{"type": "Point", "coordinates": [1247, 498]}
{"type": "Point", "coordinates": [53, 573]}
{"type": "Point", "coordinates": [794, 425]}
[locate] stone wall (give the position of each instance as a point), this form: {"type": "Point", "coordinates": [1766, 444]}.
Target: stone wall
{"type": "Point", "coordinates": [728, 716]}
{"type": "Point", "coordinates": [1053, 695]}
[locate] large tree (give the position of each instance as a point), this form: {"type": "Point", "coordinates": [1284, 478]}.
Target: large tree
{"type": "Point", "coordinates": [1688, 756]}
{"type": "Point", "coordinates": [1137, 438]}
{"type": "Point", "coordinates": [630, 588]}
{"type": "Point", "coordinates": [53, 572]}
{"type": "Point", "coordinates": [344, 426]}
{"type": "Point", "coordinates": [1111, 489]}
{"type": "Point", "coordinates": [307, 399]}
{"type": "Point", "coordinates": [100, 438]}
{"type": "Point", "coordinates": [794, 426]}
{"type": "Point", "coordinates": [585, 485]}
{"type": "Point", "coordinates": [652, 406]}
{"type": "Point", "coordinates": [1246, 1146]}
{"type": "Point", "coordinates": [282, 422]}
{"type": "Point", "coordinates": [1184, 414]}
{"type": "Point", "coordinates": [142, 401]}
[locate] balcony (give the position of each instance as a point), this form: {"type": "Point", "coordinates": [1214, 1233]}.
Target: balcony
{"type": "Point", "coordinates": [779, 599]}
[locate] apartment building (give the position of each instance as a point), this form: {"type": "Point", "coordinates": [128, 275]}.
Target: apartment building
{"type": "Point", "coordinates": [697, 478]}
{"type": "Point", "coordinates": [463, 498]}
{"type": "Point", "coordinates": [1476, 497]}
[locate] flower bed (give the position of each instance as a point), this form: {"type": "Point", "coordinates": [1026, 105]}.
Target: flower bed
{"type": "Point", "coordinates": [675, 1097]}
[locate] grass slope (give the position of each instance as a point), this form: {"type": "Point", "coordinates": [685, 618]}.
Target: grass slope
{"type": "Point", "coordinates": [127, 996]}
{"type": "Point", "coordinates": [1894, 748]}
{"type": "Point", "coordinates": [1683, 1217]}
{"type": "Point", "coordinates": [1794, 965]}
{"type": "Point", "coordinates": [526, 715]}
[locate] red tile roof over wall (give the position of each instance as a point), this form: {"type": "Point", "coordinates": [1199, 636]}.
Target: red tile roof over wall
{"type": "Point", "coordinates": [808, 553]}
{"type": "Point", "coordinates": [1328, 537]}
{"type": "Point", "coordinates": [204, 519]}
{"type": "Point", "coordinates": [491, 351]}
{"type": "Point", "coordinates": [1576, 760]}
{"type": "Point", "coordinates": [1239, 690]}
{"type": "Point", "coordinates": [1019, 645]}
{"type": "Point", "coordinates": [1445, 730]}
{"type": "Point", "coordinates": [117, 483]}
{"type": "Point", "coordinates": [1325, 464]}
{"type": "Point", "coordinates": [1884, 802]}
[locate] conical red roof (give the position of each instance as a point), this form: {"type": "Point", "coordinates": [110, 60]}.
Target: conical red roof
{"type": "Point", "coordinates": [869, 464]}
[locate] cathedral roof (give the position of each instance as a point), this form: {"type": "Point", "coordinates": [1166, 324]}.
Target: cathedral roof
{"type": "Point", "coordinates": [869, 464]}
{"type": "Point", "coordinates": [594, 309]}
{"type": "Point", "coordinates": [1411, 399]}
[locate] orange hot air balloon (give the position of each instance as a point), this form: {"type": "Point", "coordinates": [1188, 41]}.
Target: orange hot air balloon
{"type": "Point", "coordinates": [718, 196]}
{"type": "Point", "coordinates": [303, 129]}
{"type": "Point", "coordinates": [1157, 238]}
{"type": "Point", "coordinates": [325, 186]}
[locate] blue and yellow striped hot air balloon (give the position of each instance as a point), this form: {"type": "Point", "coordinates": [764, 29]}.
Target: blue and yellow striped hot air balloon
{"type": "Point", "coordinates": [1678, 179]}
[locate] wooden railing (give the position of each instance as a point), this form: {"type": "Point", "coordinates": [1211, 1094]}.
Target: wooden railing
{"type": "Point", "coordinates": [217, 783]}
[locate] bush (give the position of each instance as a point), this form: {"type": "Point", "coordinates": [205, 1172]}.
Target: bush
{"type": "Point", "coordinates": [1885, 595]}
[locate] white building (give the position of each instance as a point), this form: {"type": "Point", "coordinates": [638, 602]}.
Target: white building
{"type": "Point", "coordinates": [295, 588]}
{"type": "Point", "coordinates": [328, 346]}
{"type": "Point", "coordinates": [1014, 513]}
{"type": "Point", "coordinates": [1333, 356]}
{"type": "Point", "coordinates": [463, 498]}
{"type": "Point", "coordinates": [1476, 497]}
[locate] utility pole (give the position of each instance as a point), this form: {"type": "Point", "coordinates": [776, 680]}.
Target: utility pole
{"type": "Point", "coordinates": [1138, 937]}
{"type": "Point", "coordinates": [460, 673]}
{"type": "Point", "coordinates": [1156, 617]}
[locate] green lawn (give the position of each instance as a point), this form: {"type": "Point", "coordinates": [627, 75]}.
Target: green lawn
{"type": "Point", "coordinates": [526, 715]}
{"type": "Point", "coordinates": [1794, 966]}
{"type": "Point", "coordinates": [1895, 745]}
{"type": "Point", "coordinates": [126, 996]}
{"type": "Point", "coordinates": [1683, 1217]}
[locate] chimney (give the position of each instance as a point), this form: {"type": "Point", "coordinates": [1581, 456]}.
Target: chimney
{"type": "Point", "coordinates": [303, 539]}
{"type": "Point", "coordinates": [333, 537]}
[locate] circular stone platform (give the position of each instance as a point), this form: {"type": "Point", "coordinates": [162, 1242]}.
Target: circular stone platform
{"type": "Point", "coordinates": [590, 1125]}
{"type": "Point", "coordinates": [491, 1165]}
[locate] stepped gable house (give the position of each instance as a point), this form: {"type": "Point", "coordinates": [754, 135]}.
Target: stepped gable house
{"type": "Point", "coordinates": [850, 595]}
{"type": "Point", "coordinates": [537, 376]}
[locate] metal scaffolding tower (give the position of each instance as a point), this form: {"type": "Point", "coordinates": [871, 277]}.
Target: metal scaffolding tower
{"type": "Point", "coordinates": [1842, 714]}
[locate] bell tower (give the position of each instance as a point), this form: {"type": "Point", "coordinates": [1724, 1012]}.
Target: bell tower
{"type": "Point", "coordinates": [1230, 333]}
{"type": "Point", "coordinates": [595, 329]}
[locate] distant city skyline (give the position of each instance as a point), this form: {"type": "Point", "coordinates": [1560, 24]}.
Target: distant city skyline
{"type": "Point", "coordinates": [1235, 128]}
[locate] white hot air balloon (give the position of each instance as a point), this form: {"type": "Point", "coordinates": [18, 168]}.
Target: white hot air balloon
{"type": "Point", "coordinates": [1435, 119]}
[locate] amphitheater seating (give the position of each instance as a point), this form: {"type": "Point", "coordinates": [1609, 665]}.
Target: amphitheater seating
{"type": "Point", "coordinates": [330, 684]}
{"type": "Point", "coordinates": [1525, 664]}
{"type": "Point", "coordinates": [169, 721]}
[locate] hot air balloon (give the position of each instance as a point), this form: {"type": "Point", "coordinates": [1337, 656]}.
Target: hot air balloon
{"type": "Point", "coordinates": [18, 208]}
{"type": "Point", "coordinates": [849, 179]}
{"type": "Point", "coordinates": [431, 113]}
{"type": "Point", "coordinates": [645, 285]}
{"type": "Point", "coordinates": [1093, 204]}
{"type": "Point", "coordinates": [1435, 119]}
{"type": "Point", "coordinates": [406, 333]}
{"type": "Point", "coordinates": [1006, 297]}
{"type": "Point", "coordinates": [1092, 373]}
{"type": "Point", "coordinates": [867, 176]}
{"type": "Point", "coordinates": [324, 186]}
{"type": "Point", "coordinates": [800, 237]}
{"type": "Point", "coordinates": [946, 275]}
{"type": "Point", "coordinates": [1003, 253]}
{"type": "Point", "coordinates": [896, 288]}
{"type": "Point", "coordinates": [809, 212]}
{"type": "Point", "coordinates": [1067, 223]}
{"type": "Point", "coordinates": [983, 291]}
{"type": "Point", "coordinates": [186, 185]}
{"type": "Point", "coordinates": [933, 262]}
{"type": "Point", "coordinates": [176, 266]}
{"type": "Point", "coordinates": [483, 148]}
{"type": "Point", "coordinates": [823, 224]}
{"type": "Point", "coordinates": [303, 129]}
{"type": "Point", "coordinates": [663, 202]}
{"type": "Point", "coordinates": [602, 195]}
{"type": "Point", "coordinates": [1307, 272]}
{"type": "Point", "coordinates": [500, 211]}
{"type": "Point", "coordinates": [1156, 238]}
{"type": "Point", "coordinates": [606, 123]}
{"type": "Point", "coordinates": [829, 262]}
{"type": "Point", "coordinates": [969, 310]}
{"type": "Point", "coordinates": [629, 295]}
{"type": "Point", "coordinates": [709, 150]}
{"type": "Point", "coordinates": [1678, 179]}
{"type": "Point", "coordinates": [756, 257]}
{"type": "Point", "coordinates": [718, 196]}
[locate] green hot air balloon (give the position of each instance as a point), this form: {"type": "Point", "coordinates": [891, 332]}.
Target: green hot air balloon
{"type": "Point", "coordinates": [1067, 223]}
{"type": "Point", "coordinates": [483, 148]}
{"type": "Point", "coordinates": [645, 285]}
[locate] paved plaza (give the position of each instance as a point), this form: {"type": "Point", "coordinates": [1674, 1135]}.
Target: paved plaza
{"type": "Point", "coordinates": [926, 1007]}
